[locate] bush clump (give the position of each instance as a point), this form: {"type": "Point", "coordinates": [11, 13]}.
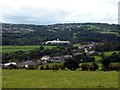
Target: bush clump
{"type": "Point", "coordinates": [114, 67]}
{"type": "Point", "coordinates": [42, 68]}
{"type": "Point", "coordinates": [31, 67]}
{"type": "Point", "coordinates": [85, 67]}
{"type": "Point", "coordinates": [93, 67]}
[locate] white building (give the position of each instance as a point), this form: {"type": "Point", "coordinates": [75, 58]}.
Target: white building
{"type": "Point", "coordinates": [92, 52]}
{"type": "Point", "coordinates": [45, 58]}
{"type": "Point", "coordinates": [7, 64]}
{"type": "Point", "coordinates": [57, 42]}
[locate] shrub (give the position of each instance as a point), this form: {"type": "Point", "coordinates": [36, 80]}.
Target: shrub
{"type": "Point", "coordinates": [55, 67]}
{"type": "Point", "coordinates": [66, 69]}
{"type": "Point", "coordinates": [42, 68]}
{"type": "Point", "coordinates": [5, 67]}
{"type": "Point", "coordinates": [31, 67]}
{"type": "Point", "coordinates": [47, 67]}
{"type": "Point", "coordinates": [105, 63]}
{"type": "Point", "coordinates": [71, 64]}
{"type": "Point", "coordinates": [114, 67]}
{"type": "Point", "coordinates": [11, 66]}
{"type": "Point", "coordinates": [61, 67]}
{"type": "Point", "coordinates": [85, 67]}
{"type": "Point", "coordinates": [93, 67]}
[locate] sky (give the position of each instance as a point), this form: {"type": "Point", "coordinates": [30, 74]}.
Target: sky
{"type": "Point", "coordinates": [58, 11]}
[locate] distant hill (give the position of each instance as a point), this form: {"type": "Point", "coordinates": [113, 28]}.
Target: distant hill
{"type": "Point", "coordinates": [24, 34]}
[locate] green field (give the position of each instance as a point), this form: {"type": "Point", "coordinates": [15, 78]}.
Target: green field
{"type": "Point", "coordinates": [8, 49]}
{"type": "Point", "coordinates": [110, 52]}
{"type": "Point", "coordinates": [108, 32]}
{"type": "Point", "coordinates": [97, 58]}
{"type": "Point", "coordinates": [59, 79]}
{"type": "Point", "coordinates": [77, 45]}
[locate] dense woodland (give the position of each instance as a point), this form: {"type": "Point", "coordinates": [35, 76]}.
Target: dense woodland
{"type": "Point", "coordinates": [23, 34]}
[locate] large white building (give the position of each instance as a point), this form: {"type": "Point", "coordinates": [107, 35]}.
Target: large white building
{"type": "Point", "coordinates": [7, 64]}
{"type": "Point", "coordinates": [57, 42]}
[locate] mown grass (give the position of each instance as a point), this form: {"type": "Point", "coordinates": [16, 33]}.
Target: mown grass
{"type": "Point", "coordinates": [8, 48]}
{"type": "Point", "coordinates": [59, 79]}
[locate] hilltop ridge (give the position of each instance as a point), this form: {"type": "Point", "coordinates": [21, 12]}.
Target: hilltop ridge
{"type": "Point", "coordinates": [28, 34]}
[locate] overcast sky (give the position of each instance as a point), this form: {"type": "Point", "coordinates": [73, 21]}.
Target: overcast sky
{"type": "Point", "coordinates": [58, 11]}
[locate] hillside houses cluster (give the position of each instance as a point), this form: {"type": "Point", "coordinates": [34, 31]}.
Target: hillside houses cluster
{"type": "Point", "coordinates": [43, 60]}
{"type": "Point", "coordinates": [56, 59]}
{"type": "Point", "coordinates": [9, 28]}
{"type": "Point", "coordinates": [89, 48]}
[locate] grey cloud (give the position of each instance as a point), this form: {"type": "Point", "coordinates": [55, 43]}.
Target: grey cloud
{"type": "Point", "coordinates": [41, 16]}
{"type": "Point", "coordinates": [47, 15]}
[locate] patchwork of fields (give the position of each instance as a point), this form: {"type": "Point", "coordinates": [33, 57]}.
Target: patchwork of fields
{"type": "Point", "coordinates": [56, 79]}
{"type": "Point", "coordinates": [9, 48]}
{"type": "Point", "coordinates": [59, 79]}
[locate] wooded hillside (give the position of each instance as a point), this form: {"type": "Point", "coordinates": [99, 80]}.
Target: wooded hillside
{"type": "Point", "coordinates": [23, 34]}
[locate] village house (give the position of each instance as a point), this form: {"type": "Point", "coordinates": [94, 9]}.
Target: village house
{"type": "Point", "coordinates": [38, 62]}
{"type": "Point", "coordinates": [7, 64]}
{"type": "Point", "coordinates": [67, 56]}
{"type": "Point", "coordinates": [45, 59]}
{"type": "Point", "coordinates": [25, 64]}
{"type": "Point", "coordinates": [57, 59]}
{"type": "Point", "coordinates": [92, 52]}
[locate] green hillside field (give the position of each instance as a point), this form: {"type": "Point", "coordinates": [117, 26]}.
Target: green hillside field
{"type": "Point", "coordinates": [9, 48]}
{"type": "Point", "coordinates": [59, 79]}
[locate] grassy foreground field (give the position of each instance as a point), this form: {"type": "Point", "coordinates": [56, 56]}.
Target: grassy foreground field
{"type": "Point", "coordinates": [8, 48]}
{"type": "Point", "coordinates": [58, 79]}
